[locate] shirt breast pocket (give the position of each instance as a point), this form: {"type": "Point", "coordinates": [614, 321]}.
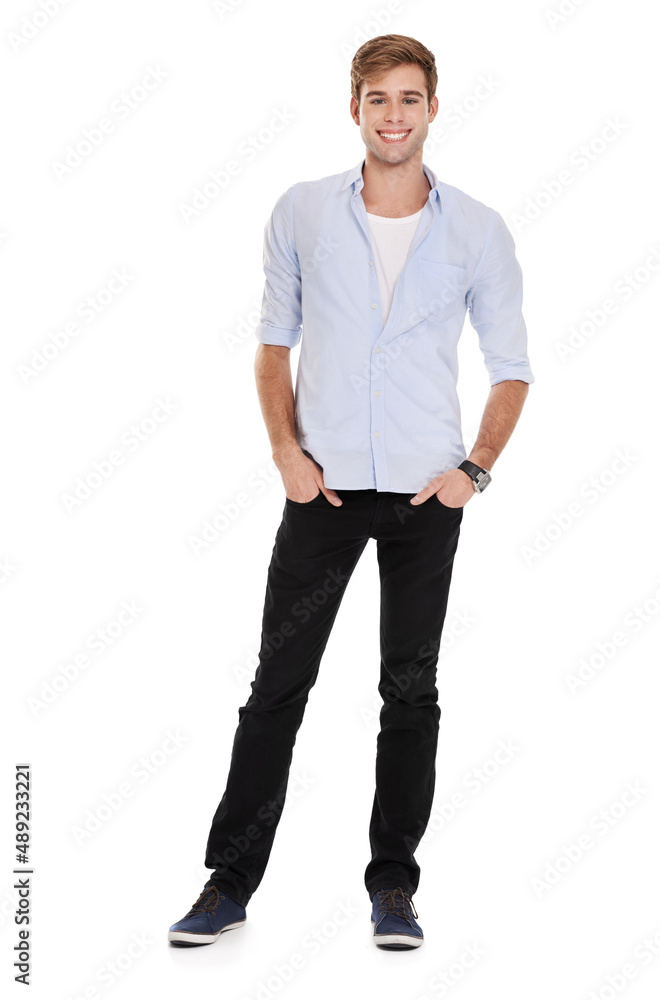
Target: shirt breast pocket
{"type": "Point", "coordinates": [441, 289]}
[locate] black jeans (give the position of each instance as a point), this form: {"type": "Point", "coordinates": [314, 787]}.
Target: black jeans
{"type": "Point", "coordinates": [316, 549]}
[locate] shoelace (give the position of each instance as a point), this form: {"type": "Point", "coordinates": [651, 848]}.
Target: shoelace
{"type": "Point", "coordinates": [398, 902]}
{"type": "Point", "coordinates": [208, 902]}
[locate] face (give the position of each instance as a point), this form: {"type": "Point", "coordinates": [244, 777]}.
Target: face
{"type": "Point", "coordinates": [393, 113]}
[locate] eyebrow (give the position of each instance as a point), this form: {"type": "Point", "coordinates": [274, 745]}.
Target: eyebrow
{"type": "Point", "coordinates": [382, 93]}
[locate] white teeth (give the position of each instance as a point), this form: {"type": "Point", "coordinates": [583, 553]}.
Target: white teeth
{"type": "Point", "coordinates": [394, 135]}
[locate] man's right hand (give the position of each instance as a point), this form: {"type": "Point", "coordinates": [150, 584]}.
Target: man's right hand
{"type": "Point", "coordinates": [302, 477]}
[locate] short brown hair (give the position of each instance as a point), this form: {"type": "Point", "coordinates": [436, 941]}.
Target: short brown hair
{"type": "Point", "coordinates": [381, 54]}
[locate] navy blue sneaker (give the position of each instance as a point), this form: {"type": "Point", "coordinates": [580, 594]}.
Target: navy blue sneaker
{"type": "Point", "coordinates": [393, 919]}
{"type": "Point", "coordinates": [210, 915]}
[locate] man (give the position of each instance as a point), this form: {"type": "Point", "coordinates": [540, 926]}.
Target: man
{"type": "Point", "coordinates": [379, 265]}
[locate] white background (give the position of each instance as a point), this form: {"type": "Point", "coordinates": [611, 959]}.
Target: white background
{"type": "Point", "coordinates": [548, 566]}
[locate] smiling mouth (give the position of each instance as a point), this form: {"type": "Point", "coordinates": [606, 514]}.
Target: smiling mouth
{"type": "Point", "coordinates": [394, 136]}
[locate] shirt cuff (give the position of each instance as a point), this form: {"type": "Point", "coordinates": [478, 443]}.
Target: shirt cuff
{"type": "Point", "coordinates": [277, 335]}
{"type": "Point", "coordinates": [523, 373]}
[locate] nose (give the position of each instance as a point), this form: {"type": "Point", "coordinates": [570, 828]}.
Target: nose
{"type": "Point", "coordinates": [395, 116]}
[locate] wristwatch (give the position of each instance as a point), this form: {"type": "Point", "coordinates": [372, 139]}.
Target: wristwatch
{"type": "Point", "coordinates": [480, 477]}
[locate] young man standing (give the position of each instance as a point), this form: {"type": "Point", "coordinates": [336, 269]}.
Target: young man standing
{"type": "Point", "coordinates": [378, 265]}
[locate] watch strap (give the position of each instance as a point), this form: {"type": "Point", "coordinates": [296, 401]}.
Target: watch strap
{"type": "Point", "coordinates": [471, 469]}
{"type": "Point", "coordinates": [480, 477]}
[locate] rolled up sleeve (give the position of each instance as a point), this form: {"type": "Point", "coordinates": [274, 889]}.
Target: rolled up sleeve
{"type": "Point", "coordinates": [495, 308]}
{"type": "Point", "coordinates": [281, 315]}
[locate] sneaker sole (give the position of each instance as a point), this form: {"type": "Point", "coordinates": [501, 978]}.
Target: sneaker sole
{"type": "Point", "coordinates": [397, 940]}
{"type": "Point", "coordinates": [188, 937]}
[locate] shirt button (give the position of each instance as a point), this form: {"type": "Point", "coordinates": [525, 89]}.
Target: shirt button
{"type": "Point", "coordinates": [377, 434]}
{"type": "Point", "coordinates": [378, 392]}
{"type": "Point", "coordinates": [371, 263]}
{"type": "Point", "coordinates": [378, 350]}
{"type": "Point", "coordinates": [374, 306]}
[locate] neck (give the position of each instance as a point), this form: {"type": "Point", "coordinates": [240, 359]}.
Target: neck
{"type": "Point", "coordinates": [394, 189]}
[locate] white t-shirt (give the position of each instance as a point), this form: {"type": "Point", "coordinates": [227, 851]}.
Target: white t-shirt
{"type": "Point", "coordinates": [391, 239]}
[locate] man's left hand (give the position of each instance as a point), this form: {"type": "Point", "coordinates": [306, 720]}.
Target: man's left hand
{"type": "Point", "coordinates": [453, 488]}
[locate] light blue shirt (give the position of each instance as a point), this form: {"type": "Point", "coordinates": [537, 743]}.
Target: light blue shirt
{"type": "Point", "coordinates": [377, 407]}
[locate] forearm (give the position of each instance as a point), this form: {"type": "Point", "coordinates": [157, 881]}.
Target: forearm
{"type": "Point", "coordinates": [272, 370]}
{"type": "Point", "coordinates": [500, 416]}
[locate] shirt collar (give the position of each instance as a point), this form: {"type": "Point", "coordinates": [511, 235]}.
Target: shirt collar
{"type": "Point", "coordinates": [354, 176]}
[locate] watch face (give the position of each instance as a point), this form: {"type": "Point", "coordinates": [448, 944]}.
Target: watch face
{"type": "Point", "coordinates": [482, 481]}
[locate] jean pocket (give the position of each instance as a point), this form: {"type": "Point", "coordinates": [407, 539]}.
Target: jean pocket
{"type": "Point", "coordinates": [304, 503]}
{"type": "Point", "coordinates": [445, 505]}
